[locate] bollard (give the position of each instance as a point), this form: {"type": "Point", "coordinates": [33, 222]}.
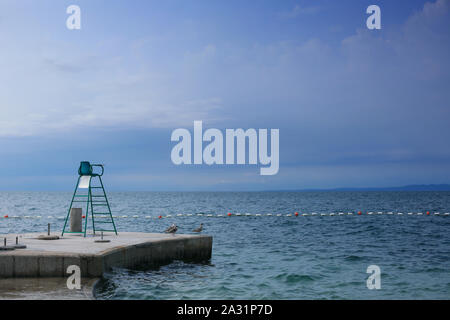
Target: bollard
{"type": "Point", "coordinates": [76, 215]}
{"type": "Point", "coordinates": [19, 246]}
{"type": "Point", "coordinates": [48, 236]}
{"type": "Point", "coordinates": [5, 247]}
{"type": "Point", "coordinates": [101, 240]}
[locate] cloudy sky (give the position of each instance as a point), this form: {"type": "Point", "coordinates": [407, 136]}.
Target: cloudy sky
{"type": "Point", "coordinates": [355, 107]}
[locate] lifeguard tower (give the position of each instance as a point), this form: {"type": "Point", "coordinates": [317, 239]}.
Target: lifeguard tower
{"type": "Point", "coordinates": [95, 199]}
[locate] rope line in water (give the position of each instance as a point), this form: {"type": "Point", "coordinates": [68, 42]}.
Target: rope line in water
{"type": "Point", "coordinates": [229, 214]}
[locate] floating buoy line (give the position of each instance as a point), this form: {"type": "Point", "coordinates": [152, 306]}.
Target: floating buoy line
{"type": "Point", "coordinates": [229, 214]}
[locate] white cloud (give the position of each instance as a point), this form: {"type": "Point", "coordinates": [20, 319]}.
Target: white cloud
{"type": "Point", "coordinates": [300, 10]}
{"type": "Point", "coordinates": [54, 86]}
{"type": "Point", "coordinates": [42, 92]}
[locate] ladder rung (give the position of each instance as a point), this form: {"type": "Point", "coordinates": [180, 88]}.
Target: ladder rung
{"type": "Point", "coordinates": [96, 199]}
{"type": "Point", "coordinates": [105, 202]}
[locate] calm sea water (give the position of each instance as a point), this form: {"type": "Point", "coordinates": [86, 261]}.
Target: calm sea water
{"type": "Point", "coordinates": [270, 257]}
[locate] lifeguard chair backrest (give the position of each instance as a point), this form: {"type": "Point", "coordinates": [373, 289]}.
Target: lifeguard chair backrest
{"type": "Point", "coordinates": [85, 169]}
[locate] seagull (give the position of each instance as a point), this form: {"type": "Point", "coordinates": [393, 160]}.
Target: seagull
{"type": "Point", "coordinates": [199, 229]}
{"type": "Point", "coordinates": [172, 229]}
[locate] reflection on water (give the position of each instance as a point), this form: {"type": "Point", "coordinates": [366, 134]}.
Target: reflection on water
{"type": "Point", "coordinates": [44, 289]}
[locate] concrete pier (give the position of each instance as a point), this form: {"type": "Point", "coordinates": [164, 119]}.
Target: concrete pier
{"type": "Point", "coordinates": [51, 258]}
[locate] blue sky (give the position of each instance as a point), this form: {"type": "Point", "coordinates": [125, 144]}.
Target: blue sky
{"type": "Point", "coordinates": [355, 107]}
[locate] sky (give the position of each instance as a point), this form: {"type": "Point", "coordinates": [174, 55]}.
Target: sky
{"type": "Point", "coordinates": [355, 107]}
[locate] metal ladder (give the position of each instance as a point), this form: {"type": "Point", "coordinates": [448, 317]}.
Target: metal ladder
{"type": "Point", "coordinates": [96, 203]}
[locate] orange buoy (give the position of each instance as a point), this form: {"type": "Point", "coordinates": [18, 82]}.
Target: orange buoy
{"type": "Point", "coordinates": [160, 217]}
{"type": "Point", "coordinates": [296, 214]}
{"type": "Point", "coordinates": [6, 216]}
{"type": "Point", "coordinates": [84, 217]}
{"type": "Point", "coordinates": [428, 213]}
{"type": "Point", "coordinates": [229, 214]}
{"type": "Point", "coordinates": [359, 212]}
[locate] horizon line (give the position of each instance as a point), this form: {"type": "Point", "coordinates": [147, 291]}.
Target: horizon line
{"type": "Point", "coordinates": [411, 187]}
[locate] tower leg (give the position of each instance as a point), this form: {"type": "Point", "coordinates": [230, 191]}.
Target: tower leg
{"type": "Point", "coordinates": [92, 209]}
{"type": "Point", "coordinates": [87, 207]}
{"type": "Point", "coordinates": [107, 203]}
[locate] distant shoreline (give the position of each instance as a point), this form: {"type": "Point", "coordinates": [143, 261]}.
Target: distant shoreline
{"type": "Point", "coordinates": [418, 187]}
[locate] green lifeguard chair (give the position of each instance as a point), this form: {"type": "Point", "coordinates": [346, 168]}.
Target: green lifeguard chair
{"type": "Point", "coordinates": [95, 199]}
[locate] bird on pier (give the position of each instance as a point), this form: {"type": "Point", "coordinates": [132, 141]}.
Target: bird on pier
{"type": "Point", "coordinates": [172, 229]}
{"type": "Point", "coordinates": [199, 229]}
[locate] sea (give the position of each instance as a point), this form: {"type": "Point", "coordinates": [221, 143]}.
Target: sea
{"type": "Point", "coordinates": [264, 250]}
